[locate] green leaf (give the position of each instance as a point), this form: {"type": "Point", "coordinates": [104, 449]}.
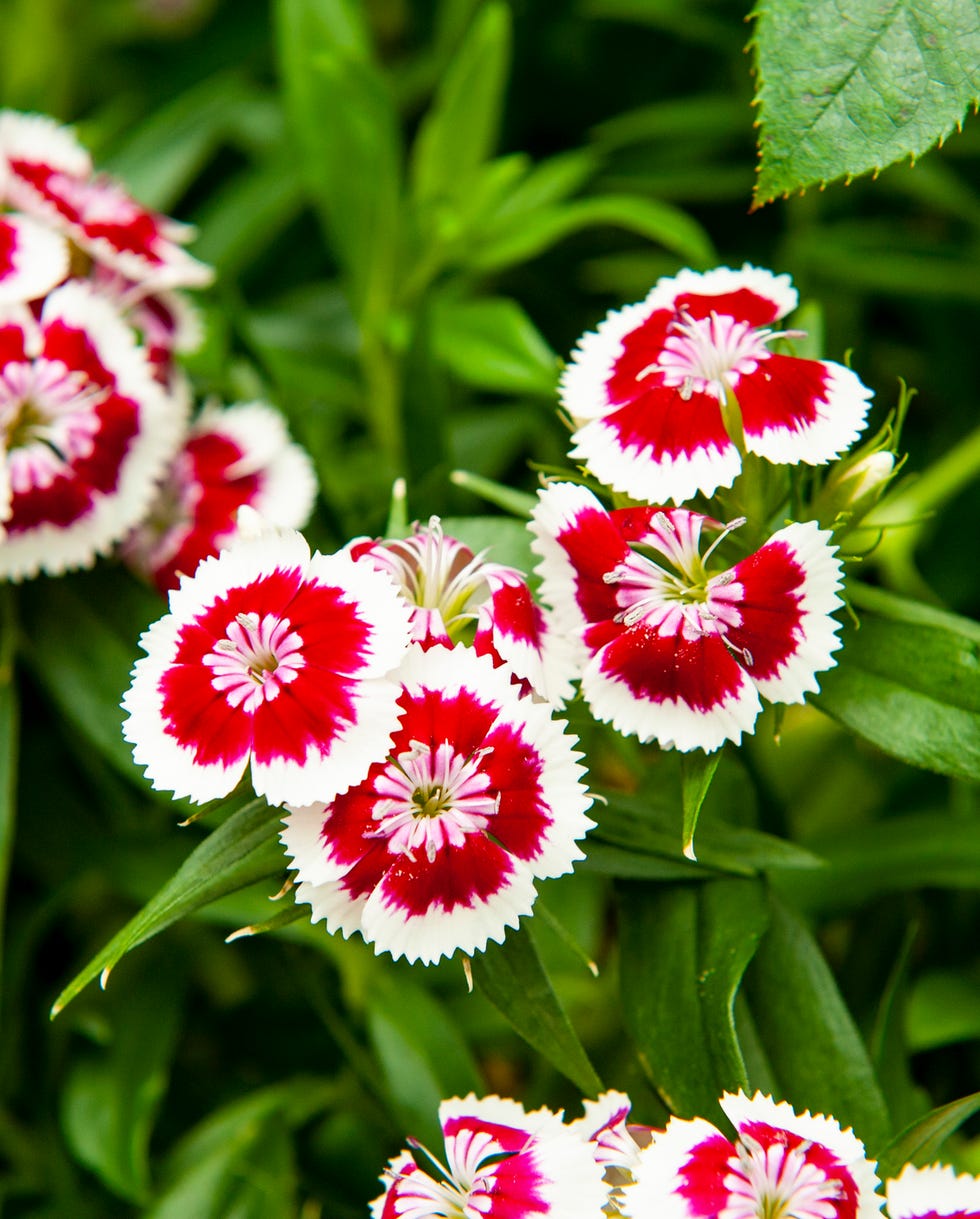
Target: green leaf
{"type": "Point", "coordinates": [345, 127]}
{"type": "Point", "coordinates": [907, 680]}
{"type": "Point", "coordinates": [697, 771]}
{"type": "Point", "coordinates": [514, 980]}
{"type": "Point", "coordinates": [687, 947]}
{"type": "Point", "coordinates": [110, 1098]}
{"type": "Point", "coordinates": [943, 1008]}
{"type": "Point", "coordinates": [9, 747]}
{"type": "Point", "coordinates": [244, 849]}
{"type": "Point", "coordinates": [517, 239]}
{"type": "Point", "coordinates": [492, 344]}
{"type": "Point", "coordinates": [919, 1142]}
{"type": "Point", "coordinates": [810, 1038]}
{"type": "Point", "coordinates": [459, 131]}
{"type": "Point", "coordinates": [846, 90]}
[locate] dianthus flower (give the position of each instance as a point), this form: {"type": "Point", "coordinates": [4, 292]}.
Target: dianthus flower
{"type": "Point", "coordinates": [933, 1193]}
{"type": "Point", "coordinates": [646, 390]}
{"type": "Point", "coordinates": [501, 1163]}
{"type": "Point", "coordinates": [238, 456]}
{"type": "Point", "coordinates": [781, 1164]}
{"type": "Point", "coordinates": [45, 172]}
{"type": "Point", "coordinates": [614, 1144]}
{"type": "Point", "coordinates": [669, 651]}
{"type": "Point", "coordinates": [85, 431]}
{"type": "Point", "coordinates": [438, 848]}
{"type": "Point", "coordinates": [273, 659]}
{"type": "Point", "coordinates": [32, 260]}
{"type": "Point", "coordinates": [456, 595]}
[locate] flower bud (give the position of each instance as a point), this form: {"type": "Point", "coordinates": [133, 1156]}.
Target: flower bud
{"type": "Point", "coordinates": [854, 488]}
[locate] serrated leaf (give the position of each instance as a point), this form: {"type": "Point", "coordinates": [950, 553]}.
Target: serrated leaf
{"type": "Point", "coordinates": [459, 130]}
{"type": "Point", "coordinates": [810, 1037]}
{"type": "Point", "coordinates": [687, 947]}
{"type": "Point", "coordinates": [512, 977]}
{"type": "Point", "coordinates": [907, 680]}
{"type": "Point", "coordinates": [244, 849]}
{"type": "Point", "coordinates": [848, 89]}
{"type": "Point", "coordinates": [919, 1142]}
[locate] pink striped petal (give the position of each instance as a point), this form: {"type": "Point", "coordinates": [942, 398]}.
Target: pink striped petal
{"type": "Point", "coordinates": [437, 850]}
{"type": "Point", "coordinates": [646, 388]}
{"type": "Point", "coordinates": [274, 660]}
{"type": "Point", "coordinates": [33, 259]}
{"type": "Point", "coordinates": [933, 1193]}
{"type": "Point", "coordinates": [87, 431]}
{"type": "Point", "coordinates": [500, 1163]}
{"type": "Point", "coordinates": [45, 172]}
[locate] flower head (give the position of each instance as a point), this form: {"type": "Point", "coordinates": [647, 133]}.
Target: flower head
{"type": "Point", "coordinates": [500, 1163]}
{"type": "Point", "coordinates": [438, 848]}
{"type": "Point", "coordinates": [32, 260]}
{"type": "Point", "coordinates": [782, 1165]}
{"type": "Point", "coordinates": [273, 659]}
{"type": "Point", "coordinates": [646, 390]}
{"type": "Point", "coordinates": [85, 431]}
{"type": "Point", "coordinates": [45, 172]}
{"type": "Point", "coordinates": [672, 650]}
{"type": "Point", "coordinates": [933, 1193]}
{"type": "Point", "coordinates": [458, 596]}
{"type": "Point", "coordinates": [231, 458]}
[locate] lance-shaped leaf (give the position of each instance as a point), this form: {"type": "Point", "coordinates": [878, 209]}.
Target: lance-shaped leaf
{"type": "Point", "coordinates": [919, 1142]}
{"type": "Point", "coordinates": [844, 89]}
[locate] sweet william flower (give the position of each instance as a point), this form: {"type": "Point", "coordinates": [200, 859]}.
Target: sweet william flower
{"type": "Point", "coordinates": [671, 651]}
{"type": "Point", "coordinates": [437, 849]}
{"type": "Point", "coordinates": [232, 457]}
{"type": "Point", "coordinates": [500, 1163]}
{"type": "Point", "coordinates": [45, 172]}
{"type": "Point", "coordinates": [85, 431]}
{"type": "Point", "coordinates": [456, 595]}
{"type": "Point", "coordinates": [933, 1193]}
{"type": "Point", "coordinates": [270, 659]}
{"type": "Point", "coordinates": [33, 260]}
{"type": "Point", "coordinates": [781, 1165]}
{"type": "Point", "coordinates": [646, 390]}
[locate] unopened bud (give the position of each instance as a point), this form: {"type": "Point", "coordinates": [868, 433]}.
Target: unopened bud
{"type": "Point", "coordinates": [855, 487]}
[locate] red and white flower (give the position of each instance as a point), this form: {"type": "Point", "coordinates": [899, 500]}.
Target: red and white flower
{"type": "Point", "coordinates": [671, 651]}
{"type": "Point", "coordinates": [646, 389]}
{"type": "Point", "coordinates": [781, 1164]}
{"type": "Point", "coordinates": [232, 457]}
{"type": "Point", "coordinates": [933, 1193]}
{"type": "Point", "coordinates": [272, 659]}
{"type": "Point", "coordinates": [438, 848]}
{"type": "Point", "coordinates": [604, 1130]}
{"type": "Point", "coordinates": [45, 172]}
{"type": "Point", "coordinates": [458, 596]}
{"type": "Point", "coordinates": [85, 432]}
{"type": "Point", "coordinates": [501, 1163]}
{"type": "Point", "coordinates": [33, 260]}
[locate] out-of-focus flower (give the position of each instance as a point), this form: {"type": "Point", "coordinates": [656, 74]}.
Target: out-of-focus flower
{"type": "Point", "coordinates": [232, 457]}
{"type": "Point", "coordinates": [933, 1193]}
{"type": "Point", "coordinates": [649, 390]}
{"type": "Point", "coordinates": [273, 659]}
{"type": "Point", "coordinates": [45, 172]}
{"type": "Point", "coordinates": [781, 1164]}
{"type": "Point", "coordinates": [33, 260]}
{"type": "Point", "coordinates": [670, 651]}
{"type": "Point", "coordinates": [437, 849]}
{"type": "Point", "coordinates": [501, 1163]}
{"type": "Point", "coordinates": [458, 596]}
{"type": "Point", "coordinates": [85, 432]}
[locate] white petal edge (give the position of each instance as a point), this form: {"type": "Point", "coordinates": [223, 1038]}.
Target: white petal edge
{"type": "Point", "coordinates": [920, 1191]}
{"type": "Point", "coordinates": [655, 1173]}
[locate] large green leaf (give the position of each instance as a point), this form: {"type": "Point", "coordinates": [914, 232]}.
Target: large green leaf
{"type": "Point", "coordinates": [492, 344]}
{"type": "Point", "coordinates": [844, 90]}
{"type": "Point", "coordinates": [345, 128]}
{"type": "Point", "coordinates": [242, 850]}
{"type": "Point", "coordinates": [514, 980]}
{"type": "Point", "coordinates": [459, 131]}
{"type": "Point", "coordinates": [907, 680]}
{"type": "Point", "coordinates": [684, 951]}
{"type": "Point", "coordinates": [811, 1041]}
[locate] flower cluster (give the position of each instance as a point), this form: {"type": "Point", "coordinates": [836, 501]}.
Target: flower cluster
{"type": "Point", "coordinates": [682, 396]}
{"type": "Point", "coordinates": [501, 1161]}
{"type": "Point", "coordinates": [427, 786]}
{"type": "Point", "coordinates": [95, 448]}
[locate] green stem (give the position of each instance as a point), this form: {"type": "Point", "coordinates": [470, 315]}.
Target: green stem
{"type": "Point", "coordinates": [382, 381]}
